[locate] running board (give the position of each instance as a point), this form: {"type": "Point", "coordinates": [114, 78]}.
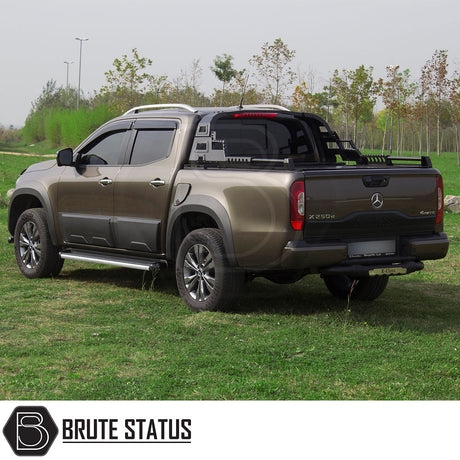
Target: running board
{"type": "Point", "coordinates": [118, 261]}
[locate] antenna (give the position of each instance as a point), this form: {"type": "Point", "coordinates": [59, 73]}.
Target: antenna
{"type": "Point", "coordinates": [244, 92]}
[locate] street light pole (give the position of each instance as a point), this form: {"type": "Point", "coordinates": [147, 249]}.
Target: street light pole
{"type": "Point", "coordinates": [81, 40]}
{"type": "Point", "coordinates": [67, 63]}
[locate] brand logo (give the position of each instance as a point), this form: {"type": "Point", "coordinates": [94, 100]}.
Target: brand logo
{"type": "Point", "coordinates": [377, 200]}
{"type": "Point", "coordinates": [30, 430]}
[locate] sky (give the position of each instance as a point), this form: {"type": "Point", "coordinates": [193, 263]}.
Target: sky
{"type": "Point", "coordinates": [37, 36]}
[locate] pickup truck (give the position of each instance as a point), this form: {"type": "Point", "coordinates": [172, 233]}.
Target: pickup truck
{"type": "Point", "coordinates": [225, 195]}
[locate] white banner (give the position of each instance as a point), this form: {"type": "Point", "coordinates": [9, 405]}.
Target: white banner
{"type": "Point", "coordinates": [229, 430]}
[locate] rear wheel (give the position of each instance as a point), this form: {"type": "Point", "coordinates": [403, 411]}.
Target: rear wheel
{"type": "Point", "coordinates": [204, 277]}
{"type": "Point", "coordinates": [368, 288]}
{"type": "Point", "coordinates": [35, 254]}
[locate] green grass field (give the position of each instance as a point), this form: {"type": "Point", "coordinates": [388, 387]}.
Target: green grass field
{"type": "Point", "coordinates": [41, 148]}
{"type": "Point", "coordinates": [106, 333]}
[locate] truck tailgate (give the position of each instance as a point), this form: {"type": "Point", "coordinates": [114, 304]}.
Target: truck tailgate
{"type": "Point", "coordinates": [368, 204]}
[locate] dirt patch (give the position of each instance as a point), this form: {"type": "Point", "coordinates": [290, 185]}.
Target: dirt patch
{"type": "Point", "coordinates": [27, 154]}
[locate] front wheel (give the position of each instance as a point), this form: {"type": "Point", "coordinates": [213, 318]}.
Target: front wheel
{"type": "Point", "coordinates": [204, 277]}
{"type": "Point", "coordinates": [368, 288]}
{"type": "Point", "coordinates": [35, 254]}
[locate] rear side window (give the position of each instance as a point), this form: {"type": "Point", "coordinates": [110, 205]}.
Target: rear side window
{"type": "Point", "coordinates": [264, 138]}
{"type": "Point", "coordinates": [151, 145]}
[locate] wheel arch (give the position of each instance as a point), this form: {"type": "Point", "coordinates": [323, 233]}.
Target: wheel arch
{"type": "Point", "coordinates": [200, 212]}
{"type": "Point", "coordinates": [28, 198]}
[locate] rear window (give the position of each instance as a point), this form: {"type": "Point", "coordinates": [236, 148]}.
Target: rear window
{"type": "Point", "coordinates": [283, 137]}
{"type": "Point", "coordinates": [151, 145]}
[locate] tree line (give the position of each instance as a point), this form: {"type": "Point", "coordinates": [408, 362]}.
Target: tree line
{"type": "Point", "coordinates": [418, 115]}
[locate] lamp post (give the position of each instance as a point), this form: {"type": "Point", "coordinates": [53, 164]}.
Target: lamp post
{"type": "Point", "coordinates": [81, 40]}
{"type": "Point", "coordinates": [67, 63]}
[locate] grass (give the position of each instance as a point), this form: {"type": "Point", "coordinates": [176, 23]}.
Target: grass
{"type": "Point", "coordinates": [106, 333]}
{"type": "Point", "coordinates": [10, 168]}
{"type": "Point", "coordinates": [40, 148]}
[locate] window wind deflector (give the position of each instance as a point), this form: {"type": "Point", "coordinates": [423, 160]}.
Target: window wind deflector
{"type": "Point", "coordinates": [155, 124]}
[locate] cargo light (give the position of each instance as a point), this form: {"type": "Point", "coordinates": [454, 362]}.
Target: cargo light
{"type": "Point", "coordinates": [297, 204]}
{"type": "Point", "coordinates": [440, 206]}
{"type": "Point", "coordinates": [255, 115]}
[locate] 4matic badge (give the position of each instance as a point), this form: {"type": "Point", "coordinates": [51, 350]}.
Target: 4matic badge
{"type": "Point", "coordinates": [30, 430]}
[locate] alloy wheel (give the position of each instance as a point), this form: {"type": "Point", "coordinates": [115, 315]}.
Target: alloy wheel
{"type": "Point", "coordinates": [30, 245]}
{"type": "Point", "coordinates": [199, 272]}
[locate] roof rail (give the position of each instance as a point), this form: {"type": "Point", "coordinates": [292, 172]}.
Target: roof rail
{"type": "Point", "coordinates": [264, 107]}
{"type": "Point", "coordinates": [161, 106]}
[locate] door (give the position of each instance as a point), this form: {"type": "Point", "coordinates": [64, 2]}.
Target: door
{"type": "Point", "coordinates": [141, 192]}
{"type": "Point", "coordinates": [85, 191]}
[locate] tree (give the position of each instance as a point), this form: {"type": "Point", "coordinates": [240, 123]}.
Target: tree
{"type": "Point", "coordinates": [395, 92]}
{"type": "Point", "coordinates": [356, 94]}
{"type": "Point", "coordinates": [196, 72]}
{"type": "Point", "coordinates": [272, 67]}
{"type": "Point", "coordinates": [362, 95]}
{"type": "Point", "coordinates": [158, 89]}
{"type": "Point", "coordinates": [434, 77]}
{"type": "Point", "coordinates": [185, 88]}
{"type": "Point", "coordinates": [304, 100]}
{"type": "Point", "coordinates": [454, 109]}
{"type": "Point", "coordinates": [224, 71]}
{"type": "Point", "coordinates": [52, 99]}
{"type": "Point", "coordinates": [340, 90]}
{"type": "Point", "coordinates": [241, 90]}
{"type": "Point", "coordinates": [127, 81]}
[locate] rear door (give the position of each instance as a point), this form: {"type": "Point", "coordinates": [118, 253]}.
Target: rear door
{"type": "Point", "coordinates": [142, 186]}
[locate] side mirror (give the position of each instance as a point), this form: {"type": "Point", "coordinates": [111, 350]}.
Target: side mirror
{"type": "Point", "coordinates": [65, 157]}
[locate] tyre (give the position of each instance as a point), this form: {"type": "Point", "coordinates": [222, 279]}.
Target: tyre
{"type": "Point", "coordinates": [368, 288]}
{"type": "Point", "coordinates": [205, 279]}
{"type": "Point", "coordinates": [35, 254]}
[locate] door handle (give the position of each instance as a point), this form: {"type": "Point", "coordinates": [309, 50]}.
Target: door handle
{"type": "Point", "coordinates": [105, 181]}
{"type": "Point", "coordinates": [376, 181]}
{"type": "Point", "coordinates": [157, 182]}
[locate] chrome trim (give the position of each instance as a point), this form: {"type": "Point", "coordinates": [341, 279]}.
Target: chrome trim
{"type": "Point", "coordinates": [161, 106]}
{"type": "Point", "coordinates": [264, 107]}
{"type": "Point", "coordinates": [157, 182]}
{"type": "Point", "coordinates": [137, 265]}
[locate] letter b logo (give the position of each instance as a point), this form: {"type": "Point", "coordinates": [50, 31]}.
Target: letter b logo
{"type": "Point", "coordinates": [30, 430]}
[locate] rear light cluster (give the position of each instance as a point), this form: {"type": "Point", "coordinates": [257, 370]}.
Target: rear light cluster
{"type": "Point", "coordinates": [440, 206]}
{"type": "Point", "coordinates": [297, 204]}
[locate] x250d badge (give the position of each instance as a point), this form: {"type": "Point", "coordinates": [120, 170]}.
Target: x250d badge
{"type": "Point", "coordinates": [377, 200]}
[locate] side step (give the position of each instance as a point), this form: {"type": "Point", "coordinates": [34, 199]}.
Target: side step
{"type": "Point", "coordinates": [137, 263]}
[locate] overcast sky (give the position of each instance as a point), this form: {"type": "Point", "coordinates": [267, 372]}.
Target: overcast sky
{"type": "Point", "coordinates": [37, 36]}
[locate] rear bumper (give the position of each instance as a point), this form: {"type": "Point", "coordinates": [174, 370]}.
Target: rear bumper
{"type": "Point", "coordinates": [333, 257]}
{"type": "Point", "coordinates": [430, 248]}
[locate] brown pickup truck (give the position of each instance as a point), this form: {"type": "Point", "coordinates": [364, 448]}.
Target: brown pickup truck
{"type": "Point", "coordinates": [226, 194]}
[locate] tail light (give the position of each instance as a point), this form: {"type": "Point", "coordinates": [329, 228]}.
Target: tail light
{"type": "Point", "coordinates": [440, 207]}
{"type": "Point", "coordinates": [255, 115]}
{"type": "Point", "coordinates": [297, 205]}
